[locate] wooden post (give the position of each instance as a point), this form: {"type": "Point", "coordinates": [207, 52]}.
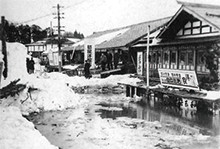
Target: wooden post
{"type": "Point", "coordinates": [130, 89]}
{"type": "Point", "coordinates": [135, 91]}
{"type": "Point", "coordinates": [147, 54]}
{"type": "Point", "coordinates": [4, 51]}
{"type": "Point", "coordinates": [177, 59]}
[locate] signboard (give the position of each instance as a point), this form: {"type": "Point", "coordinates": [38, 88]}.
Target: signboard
{"type": "Point", "coordinates": [139, 63]}
{"type": "Point", "coordinates": [179, 78]}
{"type": "Point", "coordinates": [53, 58]}
{"type": "Point", "coordinates": [89, 53]}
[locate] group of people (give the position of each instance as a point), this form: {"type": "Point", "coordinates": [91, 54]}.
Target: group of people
{"type": "Point", "coordinates": [107, 60]}
{"type": "Point", "coordinates": [30, 65]}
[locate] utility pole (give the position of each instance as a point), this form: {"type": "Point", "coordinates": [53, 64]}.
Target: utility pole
{"type": "Point", "coordinates": [59, 37]}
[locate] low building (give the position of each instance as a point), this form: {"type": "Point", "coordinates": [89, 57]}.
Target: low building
{"type": "Point", "coordinates": [118, 39]}
{"type": "Point", "coordinates": [38, 47]}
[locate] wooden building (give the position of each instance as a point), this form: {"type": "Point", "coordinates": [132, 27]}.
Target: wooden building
{"type": "Point", "coordinates": [189, 42]}
{"type": "Point", "coordinates": [38, 47]}
{"type": "Point", "coordinates": [118, 39]}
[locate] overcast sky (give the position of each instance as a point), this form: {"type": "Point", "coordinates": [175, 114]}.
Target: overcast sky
{"type": "Point", "coordinates": [87, 16]}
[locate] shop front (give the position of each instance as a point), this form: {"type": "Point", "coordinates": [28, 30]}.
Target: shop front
{"type": "Point", "coordinates": [189, 42]}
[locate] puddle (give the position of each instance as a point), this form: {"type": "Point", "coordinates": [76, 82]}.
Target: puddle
{"type": "Point", "coordinates": [174, 120]}
{"type": "Point", "coordinates": [60, 127]}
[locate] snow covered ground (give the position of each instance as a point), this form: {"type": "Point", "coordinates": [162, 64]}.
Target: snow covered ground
{"type": "Point", "coordinates": [54, 92]}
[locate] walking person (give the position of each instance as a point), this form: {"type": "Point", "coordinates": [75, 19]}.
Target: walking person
{"type": "Point", "coordinates": [87, 70]}
{"type": "Point", "coordinates": [109, 60]}
{"type": "Point", "coordinates": [28, 65]}
{"type": "Point", "coordinates": [116, 59]}
{"type": "Point", "coordinates": [103, 61]}
{"type": "Point", "coordinates": [31, 66]}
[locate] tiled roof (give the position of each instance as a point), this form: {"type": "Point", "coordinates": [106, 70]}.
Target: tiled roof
{"type": "Point", "coordinates": [133, 33]}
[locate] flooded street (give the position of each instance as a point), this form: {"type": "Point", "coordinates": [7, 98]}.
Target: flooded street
{"type": "Point", "coordinates": [110, 121]}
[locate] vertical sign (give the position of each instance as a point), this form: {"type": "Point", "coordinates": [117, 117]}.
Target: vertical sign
{"type": "Point", "coordinates": [89, 52]}
{"type": "Point", "coordinates": [140, 63]}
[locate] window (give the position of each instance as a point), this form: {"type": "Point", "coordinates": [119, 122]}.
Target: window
{"type": "Point", "coordinates": [154, 57]}
{"type": "Point", "coordinates": [201, 58]}
{"type": "Point", "coordinates": [182, 58]}
{"type": "Point", "coordinates": [173, 56]}
{"type": "Point", "coordinates": [166, 57]}
{"type": "Point", "coordinates": [195, 27]}
{"type": "Point", "coordinates": [187, 32]}
{"type": "Point", "coordinates": [206, 29]}
{"type": "Point", "coordinates": [190, 57]}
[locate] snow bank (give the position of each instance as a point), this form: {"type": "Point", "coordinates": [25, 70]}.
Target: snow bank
{"type": "Point", "coordinates": [79, 81]}
{"type": "Point", "coordinates": [54, 94]}
{"type": "Point", "coordinates": [212, 95]}
{"type": "Point", "coordinates": [16, 55]}
{"type": "Point", "coordinates": [17, 132]}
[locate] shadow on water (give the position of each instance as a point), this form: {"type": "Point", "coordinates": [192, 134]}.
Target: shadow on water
{"type": "Point", "coordinates": [174, 119]}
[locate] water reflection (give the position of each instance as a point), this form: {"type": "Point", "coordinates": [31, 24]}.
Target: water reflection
{"type": "Point", "coordinates": [175, 120]}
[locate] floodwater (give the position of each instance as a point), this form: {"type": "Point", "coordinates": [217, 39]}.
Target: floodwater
{"type": "Point", "coordinates": [174, 121]}
{"type": "Point", "coordinates": [180, 120]}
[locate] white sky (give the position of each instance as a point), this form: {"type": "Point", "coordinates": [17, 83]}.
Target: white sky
{"type": "Point", "coordinates": [87, 16]}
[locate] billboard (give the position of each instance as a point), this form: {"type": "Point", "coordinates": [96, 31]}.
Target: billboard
{"type": "Point", "coordinates": [139, 63]}
{"type": "Point", "coordinates": [179, 78]}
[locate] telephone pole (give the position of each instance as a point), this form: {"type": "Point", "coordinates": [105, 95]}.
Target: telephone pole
{"type": "Point", "coordinates": [59, 37]}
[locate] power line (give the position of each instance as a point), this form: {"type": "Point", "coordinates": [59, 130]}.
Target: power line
{"type": "Point", "coordinates": [50, 14]}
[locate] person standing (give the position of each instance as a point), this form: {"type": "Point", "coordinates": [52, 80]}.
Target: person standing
{"type": "Point", "coordinates": [109, 60]}
{"type": "Point", "coordinates": [31, 66]}
{"type": "Point", "coordinates": [116, 59]}
{"type": "Point", "coordinates": [87, 70]}
{"type": "Point", "coordinates": [28, 64]}
{"type": "Point", "coordinates": [103, 61]}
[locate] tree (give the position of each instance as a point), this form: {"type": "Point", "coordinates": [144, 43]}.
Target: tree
{"type": "Point", "coordinates": [23, 33]}
{"type": "Point", "coordinates": [37, 33]}
{"type": "Point", "coordinates": [212, 55]}
{"type": "Point", "coordinates": [74, 35]}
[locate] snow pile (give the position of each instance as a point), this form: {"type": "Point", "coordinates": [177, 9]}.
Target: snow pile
{"type": "Point", "coordinates": [78, 81]}
{"type": "Point", "coordinates": [212, 95]}
{"type": "Point", "coordinates": [17, 132]}
{"type": "Point", "coordinates": [54, 94]}
{"type": "Point", "coordinates": [16, 55]}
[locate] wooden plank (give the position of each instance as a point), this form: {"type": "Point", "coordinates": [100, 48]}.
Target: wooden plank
{"type": "Point", "coordinates": [182, 94]}
{"type": "Point", "coordinates": [105, 74]}
{"type": "Point", "coordinates": [111, 71]}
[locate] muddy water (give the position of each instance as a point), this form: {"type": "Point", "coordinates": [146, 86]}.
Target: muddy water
{"type": "Point", "coordinates": [177, 121]}
{"type": "Point", "coordinates": [59, 127]}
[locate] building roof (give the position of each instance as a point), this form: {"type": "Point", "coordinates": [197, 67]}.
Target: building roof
{"type": "Point", "coordinates": [204, 12]}
{"type": "Point", "coordinates": [125, 36]}
{"type": "Point", "coordinates": [53, 40]}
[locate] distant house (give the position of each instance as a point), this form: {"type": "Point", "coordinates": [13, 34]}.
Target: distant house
{"type": "Point", "coordinates": [38, 47]}
{"type": "Point", "coordinates": [187, 42]}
